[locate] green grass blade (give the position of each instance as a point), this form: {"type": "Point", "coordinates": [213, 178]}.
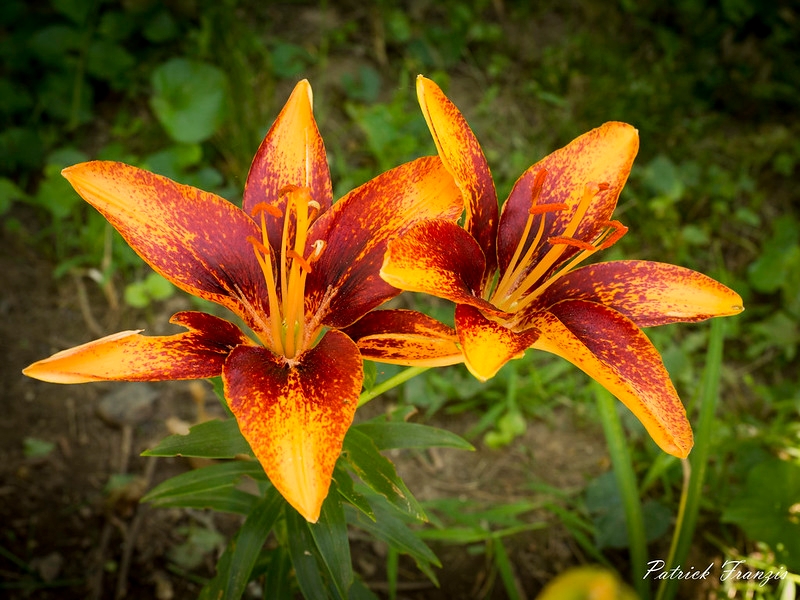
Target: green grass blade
{"type": "Point", "coordinates": [695, 465]}
{"type": "Point", "coordinates": [629, 491]}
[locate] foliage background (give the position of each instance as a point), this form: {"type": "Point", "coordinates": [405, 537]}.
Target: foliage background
{"type": "Point", "coordinates": [188, 88]}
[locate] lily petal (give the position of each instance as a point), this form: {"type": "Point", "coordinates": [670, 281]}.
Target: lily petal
{"type": "Point", "coordinates": [129, 356]}
{"type": "Point", "coordinates": [292, 153]}
{"type": "Point", "coordinates": [344, 282]}
{"type": "Point", "coordinates": [488, 345]}
{"type": "Point", "coordinates": [437, 258]}
{"type": "Point", "coordinates": [613, 351]}
{"type": "Point", "coordinates": [195, 239]}
{"type": "Point", "coordinates": [405, 337]}
{"type": "Point", "coordinates": [295, 416]}
{"type": "Point", "coordinates": [601, 156]}
{"type": "Point", "coordinates": [462, 155]}
{"type": "Point", "coordinates": [648, 293]}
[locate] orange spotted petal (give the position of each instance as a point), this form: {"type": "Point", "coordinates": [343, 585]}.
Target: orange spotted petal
{"type": "Point", "coordinates": [437, 258]}
{"type": "Point", "coordinates": [292, 153]}
{"type": "Point", "coordinates": [601, 156]}
{"type": "Point", "coordinates": [648, 293]}
{"type": "Point", "coordinates": [405, 337]}
{"type": "Point", "coordinates": [613, 351]}
{"type": "Point", "coordinates": [462, 155]}
{"type": "Point", "coordinates": [488, 345]}
{"type": "Point", "coordinates": [357, 228]}
{"type": "Point", "coordinates": [129, 356]}
{"type": "Point", "coordinates": [295, 414]}
{"type": "Point", "coordinates": [195, 239]}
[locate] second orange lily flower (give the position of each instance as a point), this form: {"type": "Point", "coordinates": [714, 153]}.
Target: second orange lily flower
{"type": "Point", "coordinates": [515, 278]}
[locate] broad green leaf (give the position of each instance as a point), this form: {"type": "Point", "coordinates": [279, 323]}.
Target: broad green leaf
{"type": "Point", "coordinates": [398, 434]}
{"type": "Point", "coordinates": [330, 535]}
{"type": "Point", "coordinates": [767, 509]}
{"type": "Point", "coordinates": [9, 193]}
{"type": "Point", "coordinates": [190, 99]}
{"type": "Point", "coordinates": [303, 551]}
{"type": "Point", "coordinates": [212, 439]}
{"type": "Point", "coordinates": [208, 478]}
{"type": "Point", "coordinates": [236, 563]}
{"type": "Point", "coordinates": [227, 499]}
{"type": "Point", "coordinates": [770, 270]}
{"type": "Point", "coordinates": [379, 473]}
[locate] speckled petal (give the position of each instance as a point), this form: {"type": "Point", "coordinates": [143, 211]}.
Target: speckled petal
{"type": "Point", "coordinates": [345, 280]}
{"type": "Point", "coordinates": [405, 337]}
{"type": "Point", "coordinates": [292, 153]}
{"type": "Point", "coordinates": [130, 356]}
{"type": "Point", "coordinates": [195, 239]}
{"type": "Point", "coordinates": [295, 414]}
{"type": "Point", "coordinates": [488, 345]}
{"type": "Point", "coordinates": [462, 155]}
{"type": "Point", "coordinates": [648, 293]}
{"type": "Point", "coordinates": [613, 351]}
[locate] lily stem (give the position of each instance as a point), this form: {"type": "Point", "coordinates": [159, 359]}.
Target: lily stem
{"type": "Point", "coordinates": [390, 383]}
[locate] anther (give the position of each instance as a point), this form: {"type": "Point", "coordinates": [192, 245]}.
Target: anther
{"type": "Point", "coordinates": [603, 186]}
{"type": "Point", "coordinates": [619, 231]}
{"type": "Point", "coordinates": [538, 209]}
{"type": "Point", "coordinates": [267, 208]}
{"type": "Point", "coordinates": [287, 189]}
{"type": "Point", "coordinates": [258, 245]}
{"type": "Point", "coordinates": [536, 189]}
{"type": "Point", "coordinates": [301, 261]}
{"type": "Point", "coordinates": [568, 241]}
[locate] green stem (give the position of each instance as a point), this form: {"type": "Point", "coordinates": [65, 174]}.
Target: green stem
{"type": "Point", "coordinates": [629, 491]}
{"type": "Point", "coordinates": [390, 383]}
{"type": "Point", "coordinates": [694, 468]}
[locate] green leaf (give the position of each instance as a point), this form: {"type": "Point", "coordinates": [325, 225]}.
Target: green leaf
{"type": "Point", "coordinates": [767, 509]}
{"type": "Point", "coordinates": [303, 551]}
{"type": "Point", "coordinates": [227, 499]}
{"type": "Point", "coordinates": [189, 99]}
{"type": "Point", "coordinates": [768, 273]}
{"type": "Point", "coordinates": [212, 439]}
{"type": "Point", "coordinates": [344, 486]}
{"type": "Point", "coordinates": [236, 563]}
{"type": "Point", "coordinates": [398, 434]}
{"type": "Point", "coordinates": [278, 576]}
{"type": "Point", "coordinates": [36, 448]}
{"type": "Point", "coordinates": [208, 478]}
{"type": "Point", "coordinates": [330, 535]}
{"type": "Point", "coordinates": [390, 527]}
{"type": "Point", "coordinates": [378, 472]}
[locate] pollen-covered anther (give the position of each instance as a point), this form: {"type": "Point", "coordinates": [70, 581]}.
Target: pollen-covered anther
{"type": "Point", "coordinates": [304, 264]}
{"type": "Point", "coordinates": [536, 190]}
{"type": "Point", "coordinates": [288, 189]}
{"type": "Point", "coordinates": [568, 241]}
{"type": "Point", "coordinates": [265, 207]}
{"type": "Point", "coordinates": [618, 231]}
{"type": "Point", "coordinates": [258, 245]}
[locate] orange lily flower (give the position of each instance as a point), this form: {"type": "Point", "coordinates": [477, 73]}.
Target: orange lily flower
{"type": "Point", "coordinates": [295, 267]}
{"type": "Point", "coordinates": [515, 280]}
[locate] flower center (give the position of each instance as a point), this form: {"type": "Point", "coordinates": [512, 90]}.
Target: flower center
{"type": "Point", "coordinates": [517, 288]}
{"type": "Point", "coordinates": [285, 274]}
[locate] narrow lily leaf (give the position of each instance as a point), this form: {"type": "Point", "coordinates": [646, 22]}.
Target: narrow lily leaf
{"type": "Point", "coordinates": [399, 434]}
{"type": "Point", "coordinates": [236, 563]}
{"type": "Point", "coordinates": [505, 569]}
{"type": "Point", "coordinates": [390, 527]}
{"type": "Point", "coordinates": [227, 499]}
{"type": "Point", "coordinates": [206, 479]}
{"type": "Point", "coordinates": [278, 578]}
{"type": "Point", "coordinates": [345, 487]}
{"type": "Point", "coordinates": [303, 551]}
{"type": "Point", "coordinates": [330, 535]}
{"type": "Point", "coordinates": [379, 473]}
{"type": "Point", "coordinates": [212, 439]}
